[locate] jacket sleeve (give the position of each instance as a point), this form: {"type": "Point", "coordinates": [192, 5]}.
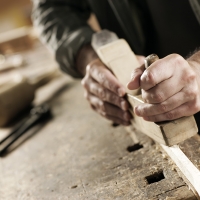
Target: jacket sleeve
{"type": "Point", "coordinates": [62, 24]}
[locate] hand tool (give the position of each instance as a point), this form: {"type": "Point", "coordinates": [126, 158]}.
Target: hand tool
{"type": "Point", "coordinates": [37, 114]}
{"type": "Point", "coordinates": [17, 94]}
{"type": "Point", "coordinates": [118, 57]}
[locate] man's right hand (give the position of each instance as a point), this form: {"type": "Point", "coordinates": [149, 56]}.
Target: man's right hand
{"type": "Point", "coordinates": [105, 94]}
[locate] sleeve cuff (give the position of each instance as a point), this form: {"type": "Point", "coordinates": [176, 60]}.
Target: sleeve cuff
{"type": "Point", "coordinates": [67, 51]}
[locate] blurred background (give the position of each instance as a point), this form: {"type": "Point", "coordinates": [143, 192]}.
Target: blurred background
{"type": "Point", "coordinates": [14, 14]}
{"type": "Point", "coordinates": [26, 66]}
{"type": "Point", "coordinates": [29, 75]}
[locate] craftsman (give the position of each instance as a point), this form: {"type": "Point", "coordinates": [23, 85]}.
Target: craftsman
{"type": "Point", "coordinates": [171, 29]}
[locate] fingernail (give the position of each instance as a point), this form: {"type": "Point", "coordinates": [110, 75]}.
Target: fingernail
{"type": "Point", "coordinates": [124, 105]}
{"type": "Point", "coordinates": [133, 75]}
{"type": "Point", "coordinates": [121, 92]}
{"type": "Point", "coordinates": [145, 76]}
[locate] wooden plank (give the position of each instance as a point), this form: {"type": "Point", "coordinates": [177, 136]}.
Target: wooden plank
{"type": "Point", "coordinates": [191, 149]}
{"type": "Point", "coordinates": [185, 165]}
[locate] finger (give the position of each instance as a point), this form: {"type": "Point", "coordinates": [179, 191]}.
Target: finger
{"type": "Point", "coordinates": [105, 94]}
{"type": "Point", "coordinates": [161, 70]}
{"type": "Point", "coordinates": [135, 78]}
{"type": "Point", "coordinates": [102, 75]}
{"type": "Point", "coordinates": [163, 90]}
{"type": "Point", "coordinates": [173, 102]}
{"type": "Point", "coordinates": [107, 109]}
{"type": "Point", "coordinates": [112, 118]}
{"type": "Point", "coordinates": [181, 111]}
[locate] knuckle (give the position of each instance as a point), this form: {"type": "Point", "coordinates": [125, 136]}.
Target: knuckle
{"type": "Point", "coordinates": [170, 115]}
{"type": "Point", "coordinates": [178, 59]}
{"type": "Point", "coordinates": [101, 93]}
{"type": "Point", "coordinates": [191, 77]}
{"type": "Point", "coordinates": [158, 97]}
{"type": "Point", "coordinates": [195, 106]}
{"type": "Point", "coordinates": [163, 108]}
{"type": "Point", "coordinates": [112, 86]}
{"type": "Point", "coordinates": [150, 78]}
{"type": "Point", "coordinates": [101, 76]}
{"type": "Point", "coordinates": [102, 106]}
{"type": "Point", "coordinates": [145, 96]}
{"type": "Point", "coordinates": [192, 93]}
{"type": "Point", "coordinates": [112, 98]}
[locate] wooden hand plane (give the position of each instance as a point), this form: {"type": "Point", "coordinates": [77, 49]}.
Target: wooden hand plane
{"type": "Point", "coordinates": [116, 54]}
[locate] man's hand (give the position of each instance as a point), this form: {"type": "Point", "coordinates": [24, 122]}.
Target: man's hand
{"type": "Point", "coordinates": [105, 94]}
{"type": "Point", "coordinates": [170, 88]}
{"type": "Point", "coordinates": [102, 89]}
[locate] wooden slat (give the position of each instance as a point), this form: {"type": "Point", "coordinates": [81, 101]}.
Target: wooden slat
{"type": "Point", "coordinates": [186, 166]}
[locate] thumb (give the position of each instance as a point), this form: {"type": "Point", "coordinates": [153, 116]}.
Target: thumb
{"type": "Point", "coordinates": [135, 78]}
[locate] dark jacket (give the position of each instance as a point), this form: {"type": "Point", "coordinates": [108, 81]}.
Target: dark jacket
{"type": "Point", "coordinates": [63, 25]}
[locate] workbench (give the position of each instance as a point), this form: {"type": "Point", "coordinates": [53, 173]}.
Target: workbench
{"type": "Point", "coordinates": [77, 154]}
